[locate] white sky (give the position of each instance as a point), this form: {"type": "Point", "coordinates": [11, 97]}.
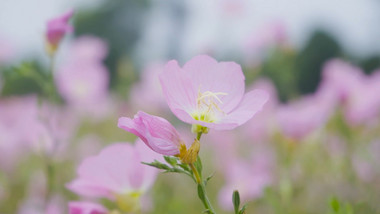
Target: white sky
{"type": "Point", "coordinates": [355, 22]}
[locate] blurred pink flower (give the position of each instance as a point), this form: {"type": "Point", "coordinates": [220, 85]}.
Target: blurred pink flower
{"type": "Point", "coordinates": [261, 127]}
{"type": "Point", "coordinates": [156, 132]}
{"type": "Point", "coordinates": [270, 35]}
{"type": "Point", "coordinates": [58, 27]}
{"type": "Point", "coordinates": [83, 80]}
{"type": "Point", "coordinates": [116, 172]}
{"type": "Point", "coordinates": [19, 126]}
{"type": "Point", "coordinates": [147, 95]}
{"type": "Point", "coordinates": [363, 103]}
{"type": "Point", "coordinates": [250, 178]}
{"type": "Point", "coordinates": [82, 83]}
{"type": "Point", "coordinates": [210, 94]}
{"type": "Point", "coordinates": [79, 207]}
{"type": "Point", "coordinates": [357, 94]}
{"type": "Point", "coordinates": [302, 117]}
{"type": "Point", "coordinates": [89, 49]}
{"type": "Point", "coordinates": [6, 51]}
{"type": "Point", "coordinates": [340, 78]}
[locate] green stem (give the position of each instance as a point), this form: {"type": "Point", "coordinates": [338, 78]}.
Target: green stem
{"type": "Point", "coordinates": [49, 170]}
{"type": "Point", "coordinates": [201, 187]}
{"type": "Point", "coordinates": [196, 174]}
{"type": "Point", "coordinates": [203, 196]}
{"type": "Point", "coordinates": [199, 135]}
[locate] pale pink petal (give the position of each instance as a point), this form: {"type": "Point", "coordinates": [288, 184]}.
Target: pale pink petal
{"type": "Point", "coordinates": [157, 133]}
{"type": "Point", "coordinates": [58, 27]}
{"type": "Point", "coordinates": [251, 103]}
{"type": "Point", "coordinates": [178, 89]}
{"type": "Point", "coordinates": [226, 77]}
{"type": "Point", "coordinates": [116, 170]}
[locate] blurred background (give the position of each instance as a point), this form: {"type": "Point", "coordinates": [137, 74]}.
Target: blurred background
{"type": "Point", "coordinates": [314, 147]}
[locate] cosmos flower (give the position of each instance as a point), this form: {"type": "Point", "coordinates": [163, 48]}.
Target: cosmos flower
{"type": "Point", "coordinates": [117, 174]}
{"type": "Point", "coordinates": [210, 94]}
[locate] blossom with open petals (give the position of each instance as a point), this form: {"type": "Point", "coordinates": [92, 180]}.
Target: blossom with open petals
{"type": "Point", "coordinates": [210, 94]}
{"type": "Point", "coordinates": [117, 174]}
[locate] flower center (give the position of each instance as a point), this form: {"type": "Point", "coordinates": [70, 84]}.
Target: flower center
{"type": "Point", "coordinates": [129, 202]}
{"type": "Point", "coordinates": [207, 106]}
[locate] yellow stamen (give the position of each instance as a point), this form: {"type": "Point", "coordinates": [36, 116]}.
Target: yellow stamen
{"type": "Point", "coordinates": [207, 103]}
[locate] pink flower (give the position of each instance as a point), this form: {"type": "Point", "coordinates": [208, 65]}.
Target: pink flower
{"type": "Point", "coordinates": [210, 94]}
{"type": "Point", "coordinates": [116, 173]}
{"type": "Point", "coordinates": [249, 177]}
{"type": "Point", "coordinates": [156, 132]}
{"type": "Point", "coordinates": [147, 95]}
{"type": "Point", "coordinates": [82, 83]}
{"type": "Point", "coordinates": [358, 93]}
{"type": "Point", "coordinates": [302, 117]}
{"type": "Point", "coordinates": [88, 48]}
{"type": "Point", "coordinates": [363, 103]}
{"type": "Point", "coordinates": [19, 126]}
{"type": "Point", "coordinates": [340, 78]}
{"type": "Point", "coordinates": [77, 207]}
{"type": "Point", "coordinates": [7, 51]}
{"type": "Point", "coordinates": [58, 27]}
{"type": "Point", "coordinates": [262, 39]}
{"type": "Point", "coordinates": [83, 80]}
{"type": "Point", "coordinates": [261, 127]}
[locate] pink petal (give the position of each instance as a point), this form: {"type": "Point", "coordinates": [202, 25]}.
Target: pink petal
{"type": "Point", "coordinates": [116, 170]}
{"type": "Point", "coordinates": [209, 75]}
{"type": "Point", "coordinates": [178, 89]}
{"type": "Point", "coordinates": [251, 103]}
{"type": "Point", "coordinates": [157, 133]}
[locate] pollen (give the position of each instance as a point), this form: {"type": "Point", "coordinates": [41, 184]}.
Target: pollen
{"type": "Point", "coordinates": [207, 105]}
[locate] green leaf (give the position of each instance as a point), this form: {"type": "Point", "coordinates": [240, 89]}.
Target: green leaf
{"type": "Point", "coordinates": [158, 165]}
{"type": "Point", "coordinates": [171, 160]}
{"type": "Point", "coordinates": [201, 193]}
{"type": "Point", "coordinates": [236, 201]}
{"type": "Point", "coordinates": [242, 210]}
{"type": "Point", "coordinates": [184, 167]}
{"type": "Point", "coordinates": [198, 165]}
{"type": "Point", "coordinates": [209, 178]}
{"type": "Point", "coordinates": [335, 205]}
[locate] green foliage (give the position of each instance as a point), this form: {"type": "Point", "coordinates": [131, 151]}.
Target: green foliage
{"type": "Point", "coordinates": [25, 78]}
{"type": "Point", "coordinates": [280, 68]}
{"type": "Point", "coordinates": [309, 63]}
{"type": "Point", "coordinates": [336, 207]}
